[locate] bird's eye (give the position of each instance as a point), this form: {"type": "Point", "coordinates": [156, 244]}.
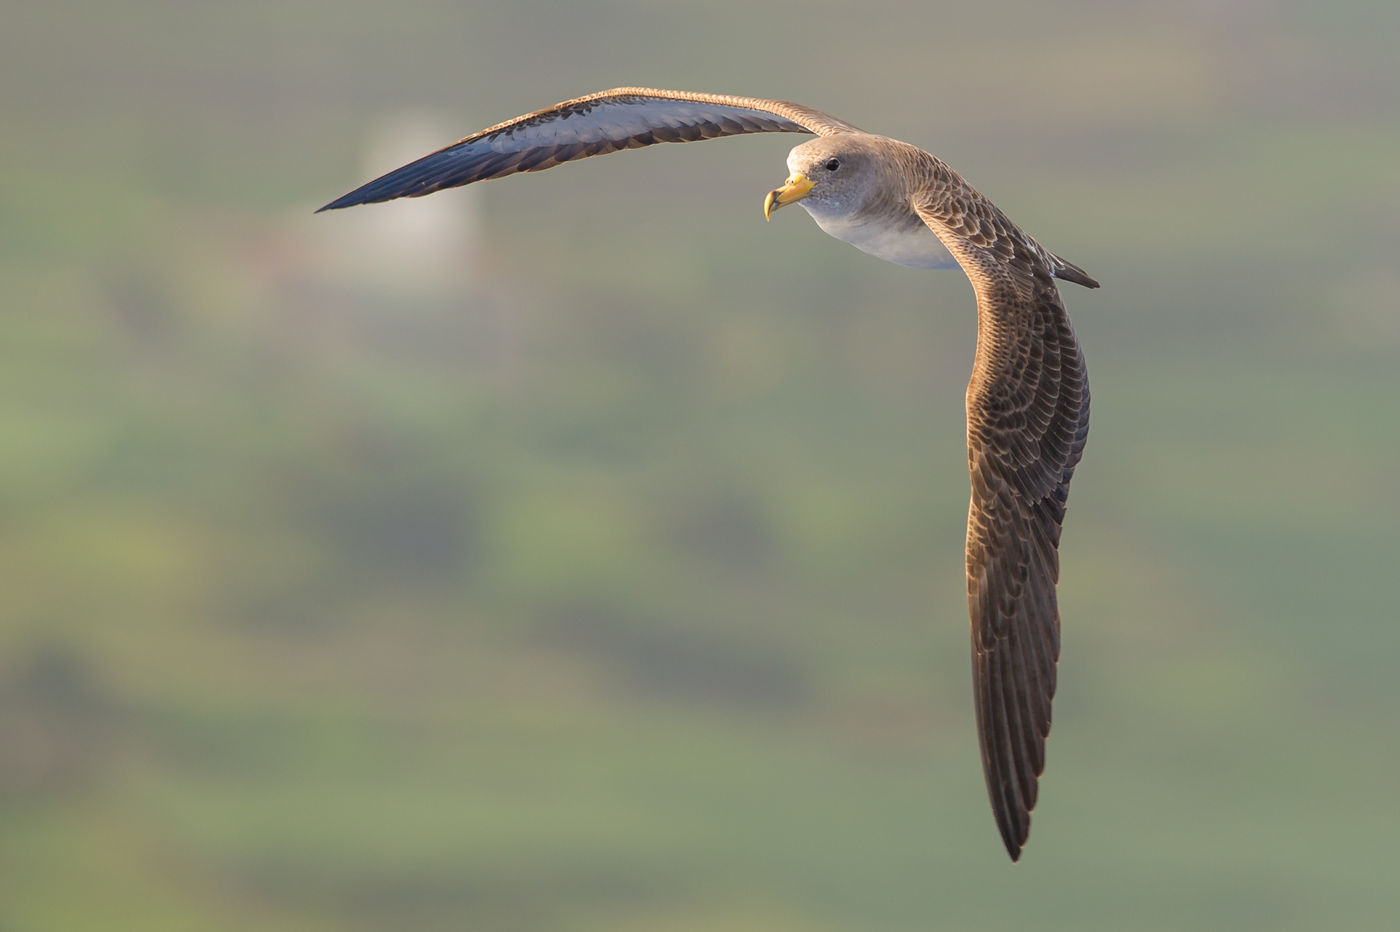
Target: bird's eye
{"type": "Point", "coordinates": [833, 164]}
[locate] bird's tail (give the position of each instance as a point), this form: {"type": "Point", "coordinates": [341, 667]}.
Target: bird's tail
{"type": "Point", "coordinates": [1072, 273]}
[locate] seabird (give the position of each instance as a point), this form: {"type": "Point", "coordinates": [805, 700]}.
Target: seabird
{"type": "Point", "coordinates": [1027, 401]}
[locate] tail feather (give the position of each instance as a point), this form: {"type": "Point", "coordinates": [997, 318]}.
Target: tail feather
{"type": "Point", "coordinates": [1073, 273]}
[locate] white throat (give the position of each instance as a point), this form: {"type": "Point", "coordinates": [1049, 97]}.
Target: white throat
{"type": "Point", "coordinates": [912, 245]}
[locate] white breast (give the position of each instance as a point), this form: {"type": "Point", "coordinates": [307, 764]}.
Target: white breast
{"type": "Point", "coordinates": [913, 245]}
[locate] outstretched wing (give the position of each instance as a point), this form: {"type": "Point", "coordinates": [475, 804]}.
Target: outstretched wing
{"type": "Point", "coordinates": [622, 118]}
{"type": "Point", "coordinates": [1026, 430]}
{"type": "Point", "coordinates": [1027, 422]}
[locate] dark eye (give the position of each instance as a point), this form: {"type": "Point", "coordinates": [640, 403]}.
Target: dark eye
{"type": "Point", "coordinates": [833, 164]}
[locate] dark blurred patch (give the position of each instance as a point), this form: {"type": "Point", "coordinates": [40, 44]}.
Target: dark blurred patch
{"type": "Point", "coordinates": [371, 510]}
{"type": "Point", "coordinates": [545, 892]}
{"type": "Point", "coordinates": [727, 526]}
{"type": "Point", "coordinates": [391, 506]}
{"type": "Point", "coordinates": [679, 664]}
{"type": "Point", "coordinates": [142, 308]}
{"type": "Point", "coordinates": [55, 723]}
{"type": "Point", "coordinates": [408, 529]}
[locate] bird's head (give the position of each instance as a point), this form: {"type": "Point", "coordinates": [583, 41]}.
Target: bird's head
{"type": "Point", "coordinates": [830, 175]}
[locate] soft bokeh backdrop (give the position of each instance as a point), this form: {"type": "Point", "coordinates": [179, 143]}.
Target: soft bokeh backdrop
{"type": "Point", "coordinates": [579, 552]}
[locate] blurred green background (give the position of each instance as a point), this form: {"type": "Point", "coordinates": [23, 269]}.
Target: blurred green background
{"type": "Point", "coordinates": [579, 552]}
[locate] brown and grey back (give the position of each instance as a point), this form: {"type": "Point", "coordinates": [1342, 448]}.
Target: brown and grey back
{"type": "Point", "coordinates": [1027, 401]}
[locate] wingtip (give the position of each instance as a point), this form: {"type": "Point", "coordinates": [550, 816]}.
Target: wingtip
{"type": "Point", "coordinates": [346, 200]}
{"type": "Point", "coordinates": [1014, 846]}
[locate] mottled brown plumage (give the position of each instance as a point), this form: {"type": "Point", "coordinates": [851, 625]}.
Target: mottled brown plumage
{"type": "Point", "coordinates": [1027, 422]}
{"type": "Point", "coordinates": [1027, 401]}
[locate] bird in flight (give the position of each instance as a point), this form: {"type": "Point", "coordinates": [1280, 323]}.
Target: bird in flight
{"type": "Point", "coordinates": [1027, 401]}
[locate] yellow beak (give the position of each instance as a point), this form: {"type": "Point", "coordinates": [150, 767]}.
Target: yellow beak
{"type": "Point", "coordinates": [793, 190]}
